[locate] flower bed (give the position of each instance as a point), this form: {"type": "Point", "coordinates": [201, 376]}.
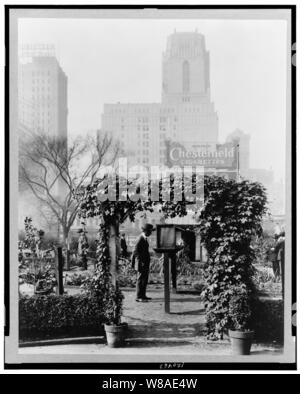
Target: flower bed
{"type": "Point", "coordinates": [54, 316]}
{"type": "Point", "coordinates": [76, 278]}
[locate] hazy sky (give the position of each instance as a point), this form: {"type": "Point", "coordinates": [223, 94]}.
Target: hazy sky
{"type": "Point", "coordinates": [119, 60]}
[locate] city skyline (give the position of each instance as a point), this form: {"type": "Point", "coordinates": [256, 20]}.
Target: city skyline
{"type": "Point", "coordinates": [184, 114]}
{"type": "Point", "coordinates": [262, 93]}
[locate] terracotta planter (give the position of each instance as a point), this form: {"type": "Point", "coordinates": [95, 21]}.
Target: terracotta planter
{"type": "Point", "coordinates": [116, 334]}
{"type": "Point", "coordinates": [241, 342]}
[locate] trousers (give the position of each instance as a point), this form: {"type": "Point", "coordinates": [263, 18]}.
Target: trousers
{"type": "Point", "coordinates": [141, 283]}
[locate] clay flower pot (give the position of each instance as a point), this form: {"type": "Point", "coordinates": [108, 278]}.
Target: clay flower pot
{"type": "Point", "coordinates": [116, 334]}
{"type": "Point", "coordinates": [241, 342]}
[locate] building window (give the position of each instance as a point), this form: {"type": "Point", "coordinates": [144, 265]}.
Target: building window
{"type": "Point", "coordinates": [185, 77]}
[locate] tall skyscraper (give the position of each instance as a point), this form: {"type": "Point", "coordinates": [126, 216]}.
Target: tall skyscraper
{"type": "Point", "coordinates": [185, 69]}
{"type": "Point", "coordinates": [42, 109]}
{"type": "Point", "coordinates": [42, 95]}
{"type": "Point", "coordinates": [186, 113]}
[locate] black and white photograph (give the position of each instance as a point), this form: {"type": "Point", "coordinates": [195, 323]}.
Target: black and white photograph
{"type": "Point", "coordinates": [150, 186]}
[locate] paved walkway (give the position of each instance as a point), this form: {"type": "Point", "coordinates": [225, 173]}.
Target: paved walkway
{"type": "Point", "coordinates": [148, 322]}
{"type": "Point", "coordinates": [152, 331]}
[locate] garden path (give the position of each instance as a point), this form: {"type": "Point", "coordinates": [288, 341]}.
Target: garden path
{"type": "Point", "coordinates": [151, 326]}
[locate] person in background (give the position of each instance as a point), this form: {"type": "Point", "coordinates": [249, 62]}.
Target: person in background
{"type": "Point", "coordinates": [280, 250]}
{"type": "Point", "coordinates": [141, 262]}
{"type": "Point", "coordinates": [273, 258]}
{"type": "Point", "coordinates": [123, 244]}
{"type": "Point", "coordinates": [83, 247]}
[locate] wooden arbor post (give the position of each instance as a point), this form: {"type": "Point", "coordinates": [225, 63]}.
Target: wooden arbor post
{"type": "Point", "coordinates": [59, 271]}
{"type": "Point", "coordinates": [169, 258]}
{"type": "Point", "coordinates": [174, 273]}
{"type": "Point", "coordinates": [167, 282]}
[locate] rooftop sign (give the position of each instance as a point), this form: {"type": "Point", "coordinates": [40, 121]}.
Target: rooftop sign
{"type": "Point", "coordinates": [208, 155]}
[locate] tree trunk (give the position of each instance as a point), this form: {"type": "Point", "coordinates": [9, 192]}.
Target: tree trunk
{"type": "Point", "coordinates": [114, 250]}
{"type": "Point", "coordinates": [67, 246]}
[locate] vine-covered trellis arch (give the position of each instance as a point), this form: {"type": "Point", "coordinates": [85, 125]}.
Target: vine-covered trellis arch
{"type": "Point", "coordinates": [229, 217]}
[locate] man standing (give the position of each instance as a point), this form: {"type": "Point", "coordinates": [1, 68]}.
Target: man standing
{"type": "Point", "coordinates": [280, 250]}
{"type": "Point", "coordinates": [273, 258]}
{"type": "Point", "coordinates": [123, 245]}
{"type": "Point", "coordinates": [141, 263]}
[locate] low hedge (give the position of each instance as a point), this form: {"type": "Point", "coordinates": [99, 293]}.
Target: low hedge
{"type": "Point", "coordinates": [52, 316]}
{"type": "Point", "coordinates": [268, 320]}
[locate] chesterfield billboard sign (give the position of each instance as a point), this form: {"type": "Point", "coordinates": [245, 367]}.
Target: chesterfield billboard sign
{"type": "Point", "coordinates": [208, 155]}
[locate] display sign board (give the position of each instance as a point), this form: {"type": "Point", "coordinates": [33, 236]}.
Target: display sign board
{"type": "Point", "coordinates": [208, 155]}
{"type": "Point", "coordinates": [167, 236]}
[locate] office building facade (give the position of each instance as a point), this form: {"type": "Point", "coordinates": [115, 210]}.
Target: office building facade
{"type": "Point", "coordinates": [42, 96]}
{"type": "Point", "coordinates": [185, 113]}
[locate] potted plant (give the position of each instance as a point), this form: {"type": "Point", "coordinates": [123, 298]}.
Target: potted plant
{"type": "Point", "coordinates": [115, 330]}
{"type": "Point", "coordinates": [240, 314]}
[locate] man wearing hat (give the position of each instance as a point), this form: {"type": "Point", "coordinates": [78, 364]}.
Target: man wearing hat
{"type": "Point", "coordinates": [141, 263]}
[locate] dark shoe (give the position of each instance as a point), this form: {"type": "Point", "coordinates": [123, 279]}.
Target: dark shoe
{"type": "Point", "coordinates": [141, 300]}
{"type": "Point", "coordinates": [147, 298]}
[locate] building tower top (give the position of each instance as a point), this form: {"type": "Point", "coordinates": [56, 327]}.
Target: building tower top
{"type": "Point", "coordinates": [185, 69]}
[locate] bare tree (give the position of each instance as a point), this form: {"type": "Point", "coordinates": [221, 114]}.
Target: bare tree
{"type": "Point", "coordinates": [55, 171]}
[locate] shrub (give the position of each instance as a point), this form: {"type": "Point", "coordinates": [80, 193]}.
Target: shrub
{"type": "Point", "coordinates": [42, 316]}
{"type": "Point", "coordinates": [240, 310]}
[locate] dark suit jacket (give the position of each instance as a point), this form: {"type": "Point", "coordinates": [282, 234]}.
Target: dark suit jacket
{"type": "Point", "coordinates": [140, 256]}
